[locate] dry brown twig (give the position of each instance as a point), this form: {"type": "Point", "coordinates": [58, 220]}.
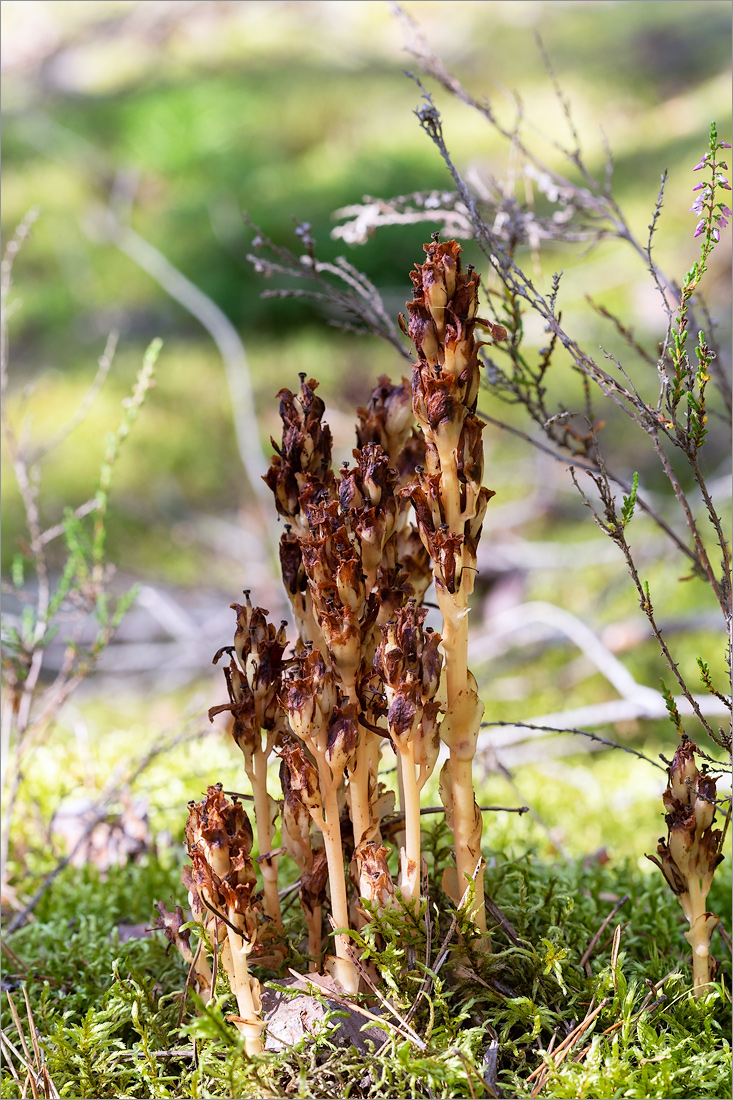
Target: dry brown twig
{"type": "Point", "coordinates": [34, 1063]}
{"type": "Point", "coordinates": [563, 1049]}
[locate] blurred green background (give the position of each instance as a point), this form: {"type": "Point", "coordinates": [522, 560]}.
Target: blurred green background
{"type": "Point", "coordinates": [292, 110]}
{"type": "Point", "coordinates": [191, 112]}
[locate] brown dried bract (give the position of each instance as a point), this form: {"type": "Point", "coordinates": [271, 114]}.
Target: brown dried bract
{"type": "Point", "coordinates": [375, 881]}
{"type": "Point", "coordinates": [305, 448]}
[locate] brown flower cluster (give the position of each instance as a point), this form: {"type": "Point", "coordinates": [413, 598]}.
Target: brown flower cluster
{"type": "Point", "coordinates": [409, 663]}
{"type": "Point", "coordinates": [450, 503]}
{"type": "Point", "coordinates": [221, 882]}
{"type": "Point", "coordinates": [691, 852]}
{"type": "Point", "coordinates": [254, 681]}
{"type": "Point", "coordinates": [302, 462]}
{"type": "Point", "coordinates": [359, 549]}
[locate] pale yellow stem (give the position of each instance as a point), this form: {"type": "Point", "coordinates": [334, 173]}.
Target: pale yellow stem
{"type": "Point", "coordinates": [361, 817]}
{"type": "Point", "coordinates": [359, 806]}
{"type": "Point", "coordinates": [344, 971]}
{"type": "Point", "coordinates": [699, 937]}
{"type": "Point", "coordinates": [203, 973]}
{"type": "Point", "coordinates": [454, 608]}
{"type": "Point", "coordinates": [263, 822]}
{"type": "Point", "coordinates": [251, 1025]}
{"type": "Point", "coordinates": [464, 813]}
{"type": "Point", "coordinates": [450, 487]}
{"type": "Point", "coordinates": [410, 854]}
{"type": "Point", "coordinates": [400, 835]}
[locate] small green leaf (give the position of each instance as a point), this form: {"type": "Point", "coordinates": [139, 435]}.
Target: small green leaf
{"type": "Point", "coordinates": [18, 571]}
{"type": "Point", "coordinates": [672, 710]}
{"type": "Point", "coordinates": [630, 501]}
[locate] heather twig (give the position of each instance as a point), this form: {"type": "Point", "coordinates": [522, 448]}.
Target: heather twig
{"type": "Point", "coordinates": [676, 426]}
{"type": "Point", "coordinates": [29, 703]}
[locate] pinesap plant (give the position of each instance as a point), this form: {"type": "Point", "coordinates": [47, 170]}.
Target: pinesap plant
{"type": "Point", "coordinates": [359, 549]}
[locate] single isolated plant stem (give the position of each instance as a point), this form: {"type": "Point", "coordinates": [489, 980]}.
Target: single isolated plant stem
{"type": "Point", "coordinates": [263, 823]}
{"type": "Point", "coordinates": [343, 967]}
{"type": "Point", "coordinates": [221, 880]}
{"type": "Point", "coordinates": [691, 852]}
{"type": "Point", "coordinates": [450, 504]}
{"type": "Point", "coordinates": [254, 679]}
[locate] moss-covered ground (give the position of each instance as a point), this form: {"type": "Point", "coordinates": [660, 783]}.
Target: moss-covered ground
{"type": "Point", "coordinates": [110, 1021]}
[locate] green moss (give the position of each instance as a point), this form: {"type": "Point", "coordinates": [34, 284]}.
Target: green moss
{"type": "Point", "coordinates": [106, 1026]}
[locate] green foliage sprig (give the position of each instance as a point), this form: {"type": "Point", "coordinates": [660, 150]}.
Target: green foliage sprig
{"type": "Point", "coordinates": [48, 608]}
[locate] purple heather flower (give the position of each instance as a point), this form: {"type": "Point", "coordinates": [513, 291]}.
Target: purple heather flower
{"type": "Point", "coordinates": [722, 222]}
{"type": "Point", "coordinates": [725, 209]}
{"type": "Point", "coordinates": [699, 186]}
{"type": "Point", "coordinates": [723, 145]}
{"type": "Point", "coordinates": [715, 234]}
{"type": "Point", "coordinates": [723, 182]}
{"type": "Point", "coordinates": [699, 229]}
{"type": "Point", "coordinates": [697, 205]}
{"type": "Point", "coordinates": [702, 163]}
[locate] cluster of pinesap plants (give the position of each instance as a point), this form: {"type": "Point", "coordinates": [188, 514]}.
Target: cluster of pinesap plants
{"type": "Point", "coordinates": [471, 971]}
{"type": "Point", "coordinates": [358, 552]}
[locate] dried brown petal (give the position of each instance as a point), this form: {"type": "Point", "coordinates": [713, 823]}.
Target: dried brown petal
{"type": "Point", "coordinates": [305, 450]}
{"type": "Point", "coordinates": [669, 868]}
{"type": "Point", "coordinates": [237, 898]}
{"type": "Point", "coordinates": [299, 781]}
{"type": "Point", "coordinates": [427, 740]}
{"type": "Point", "coordinates": [280, 478]}
{"type": "Point", "coordinates": [432, 663]}
{"type": "Point", "coordinates": [471, 450]}
{"type": "Point", "coordinates": [683, 768]}
{"type": "Point", "coordinates": [445, 550]}
{"type": "Point", "coordinates": [375, 880]}
{"type": "Point", "coordinates": [291, 563]}
{"type": "Point", "coordinates": [171, 924]}
{"type": "Point", "coordinates": [705, 802]}
{"type": "Point", "coordinates": [389, 659]}
{"type": "Point", "coordinates": [343, 733]}
{"type": "Point", "coordinates": [681, 839]}
{"type": "Point", "coordinates": [404, 712]}
{"type": "Point", "coordinates": [306, 441]}
{"type": "Point", "coordinates": [313, 882]}
{"type": "Point", "coordinates": [709, 855]}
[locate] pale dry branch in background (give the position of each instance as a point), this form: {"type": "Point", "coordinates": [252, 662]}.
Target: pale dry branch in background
{"type": "Point", "coordinates": [569, 625]}
{"type": "Point", "coordinates": [213, 319]}
{"type": "Point", "coordinates": [636, 700]}
{"type": "Point", "coordinates": [421, 207]}
{"type": "Point", "coordinates": [339, 286]}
